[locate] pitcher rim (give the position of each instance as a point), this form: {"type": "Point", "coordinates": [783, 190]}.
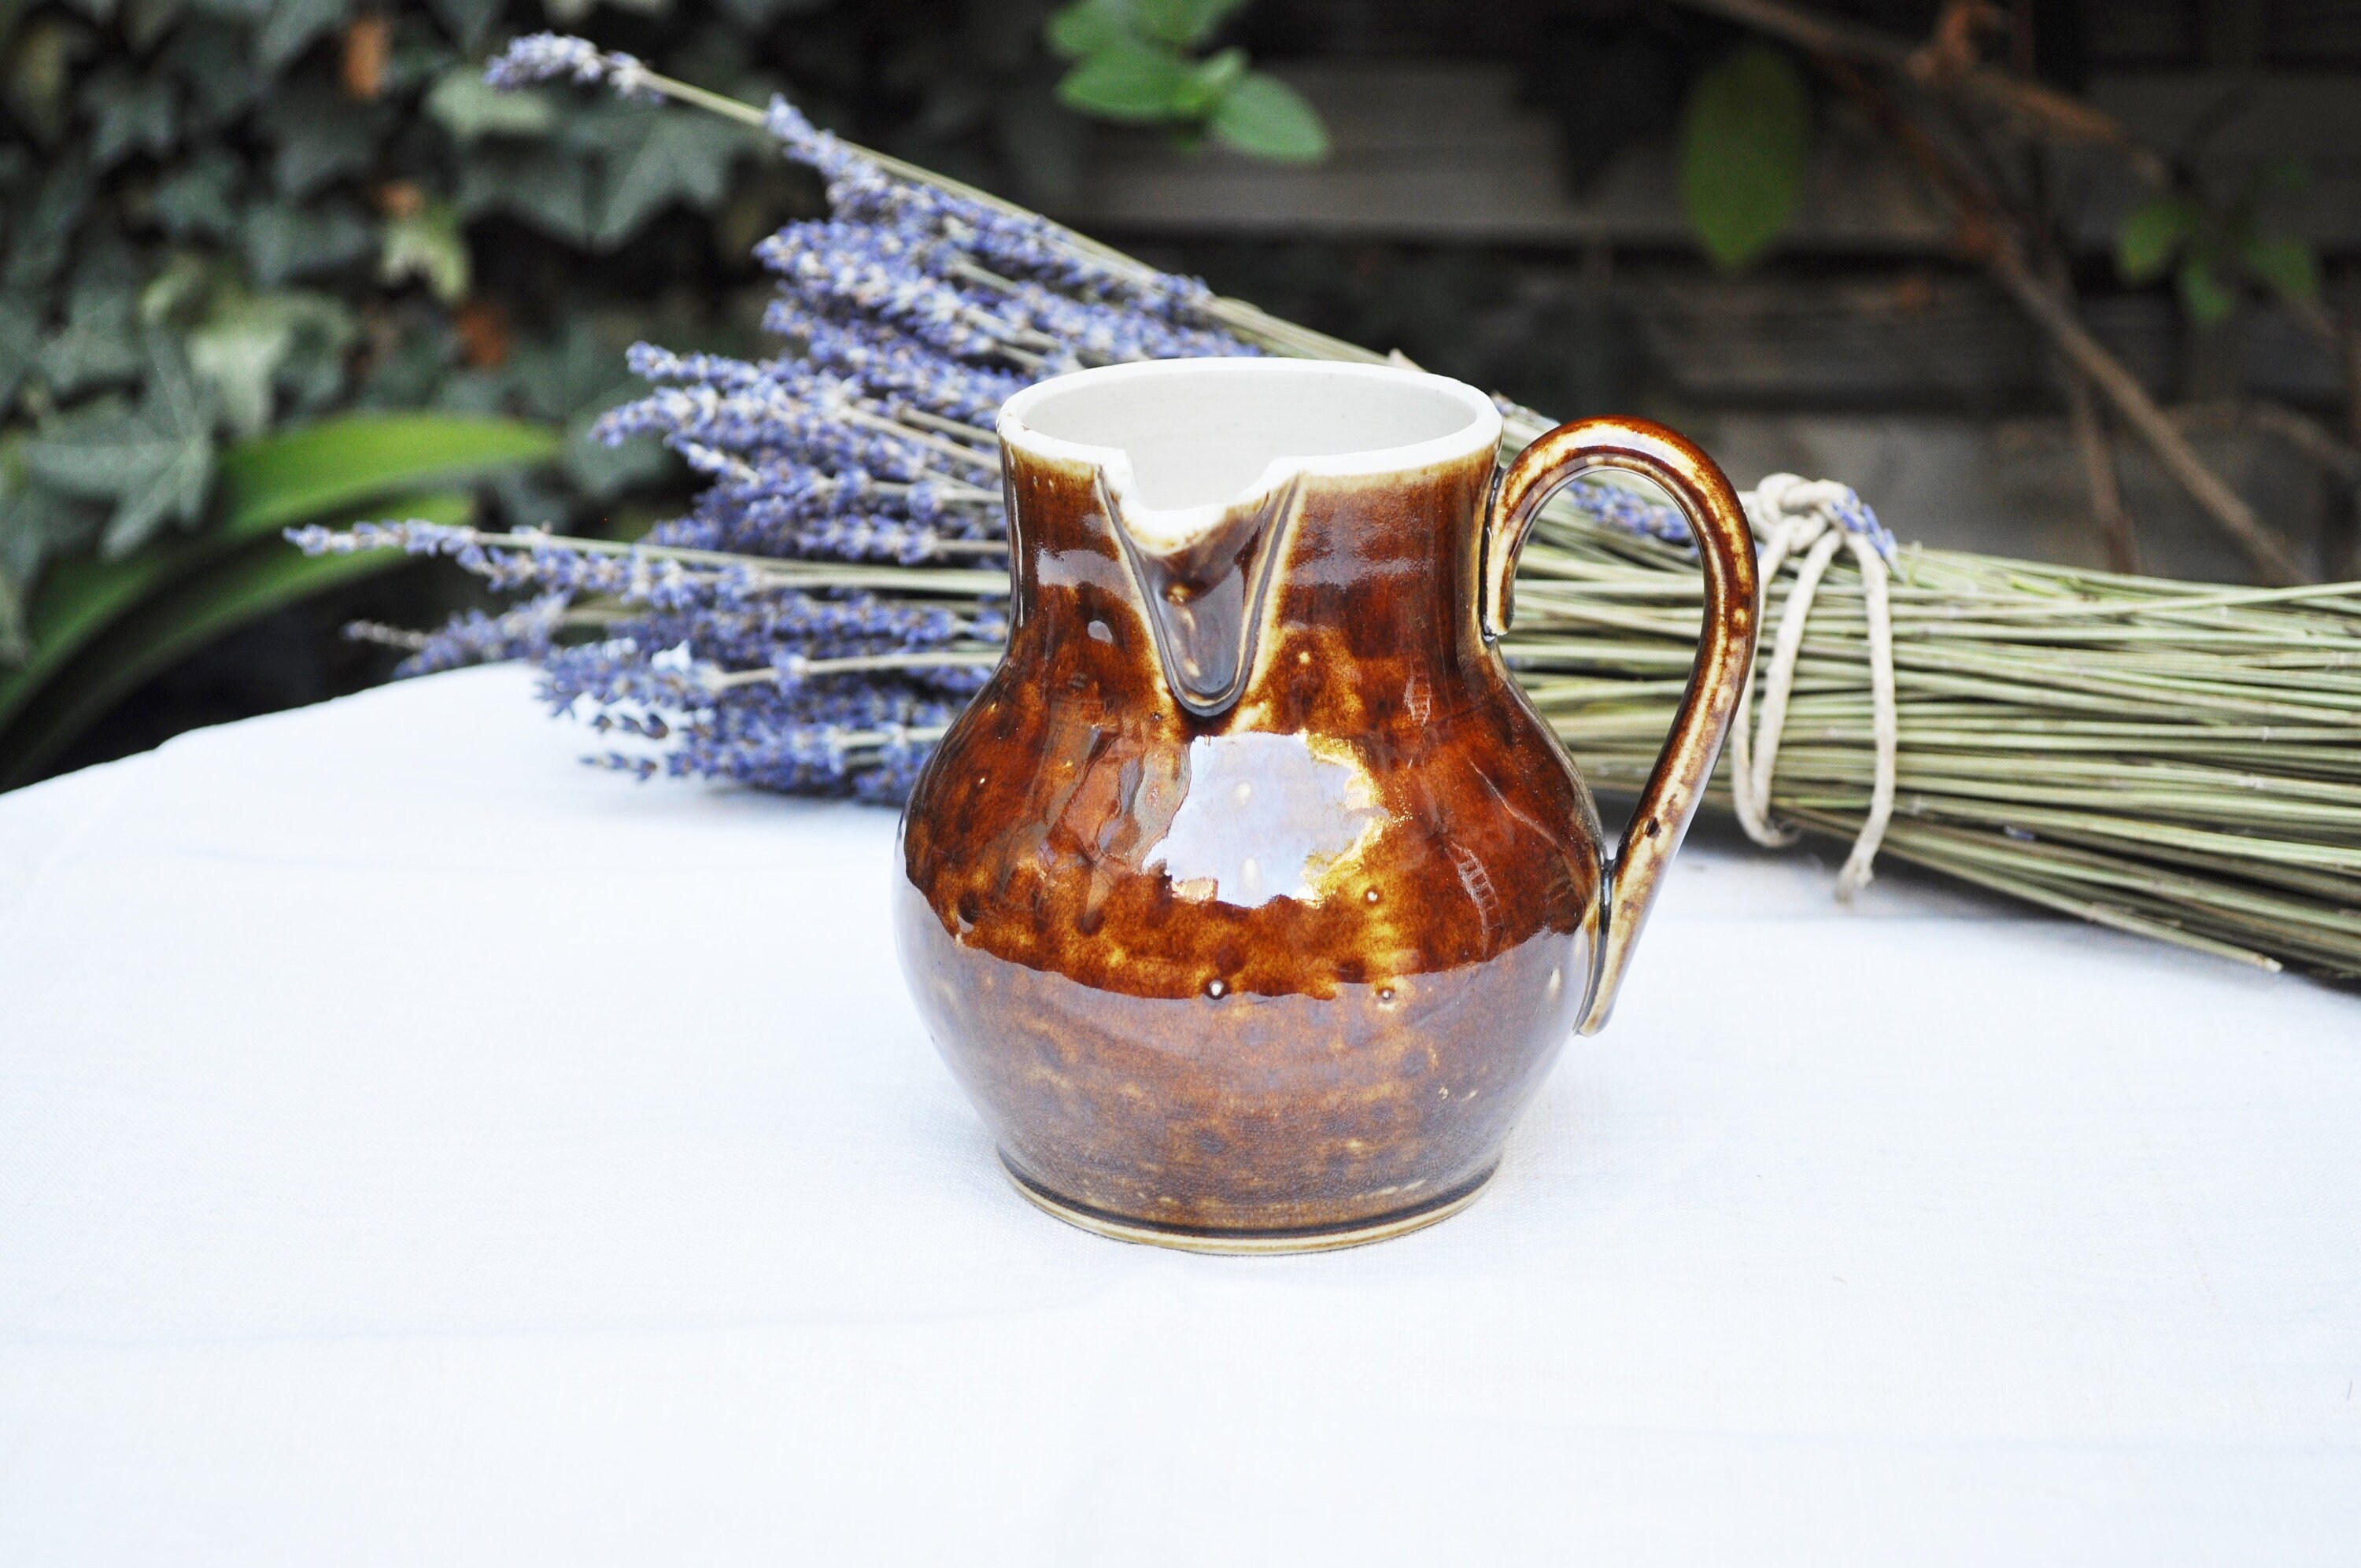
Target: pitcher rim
{"type": "Point", "coordinates": [1480, 433]}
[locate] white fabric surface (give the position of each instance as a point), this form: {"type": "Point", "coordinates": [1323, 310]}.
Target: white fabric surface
{"type": "Point", "coordinates": [415, 1147]}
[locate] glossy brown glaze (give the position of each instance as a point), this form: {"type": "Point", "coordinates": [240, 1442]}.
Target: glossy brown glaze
{"type": "Point", "coordinates": [1288, 957]}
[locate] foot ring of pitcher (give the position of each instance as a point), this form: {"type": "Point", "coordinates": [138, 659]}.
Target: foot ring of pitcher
{"type": "Point", "coordinates": [1249, 1243]}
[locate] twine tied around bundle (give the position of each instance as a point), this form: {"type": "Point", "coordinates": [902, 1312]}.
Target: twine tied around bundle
{"type": "Point", "coordinates": [1793, 516]}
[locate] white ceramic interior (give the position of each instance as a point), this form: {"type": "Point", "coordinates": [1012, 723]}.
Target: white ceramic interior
{"type": "Point", "coordinates": [1183, 441]}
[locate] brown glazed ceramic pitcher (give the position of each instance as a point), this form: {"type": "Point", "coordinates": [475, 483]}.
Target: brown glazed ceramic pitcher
{"type": "Point", "coordinates": [1250, 901]}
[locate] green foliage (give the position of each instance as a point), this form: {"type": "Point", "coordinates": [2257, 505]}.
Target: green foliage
{"type": "Point", "coordinates": [247, 347]}
{"type": "Point", "coordinates": [151, 631]}
{"type": "Point", "coordinates": [2152, 235]}
{"type": "Point", "coordinates": [2217, 250]}
{"type": "Point", "coordinates": [96, 628]}
{"type": "Point", "coordinates": [428, 246]}
{"type": "Point", "coordinates": [225, 219]}
{"type": "Point", "coordinates": [1134, 61]}
{"type": "Point", "coordinates": [1745, 134]}
{"type": "Point", "coordinates": [468, 106]}
{"type": "Point", "coordinates": [149, 463]}
{"type": "Point", "coordinates": [282, 480]}
{"type": "Point", "coordinates": [1264, 115]}
{"type": "Point", "coordinates": [1128, 80]}
{"type": "Point", "coordinates": [221, 217]}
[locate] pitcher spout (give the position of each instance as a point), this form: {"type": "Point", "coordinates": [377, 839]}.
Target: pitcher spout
{"type": "Point", "coordinates": [1203, 576]}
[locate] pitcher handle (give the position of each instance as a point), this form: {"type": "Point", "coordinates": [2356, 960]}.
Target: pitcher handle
{"type": "Point", "coordinates": [1725, 654]}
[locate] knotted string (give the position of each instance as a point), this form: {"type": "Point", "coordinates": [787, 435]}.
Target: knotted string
{"type": "Point", "coordinates": [1792, 515]}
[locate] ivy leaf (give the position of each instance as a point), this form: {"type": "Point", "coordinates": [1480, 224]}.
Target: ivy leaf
{"type": "Point", "coordinates": [2203, 293]}
{"type": "Point", "coordinates": [468, 106]}
{"type": "Point", "coordinates": [283, 240]}
{"type": "Point", "coordinates": [210, 59]}
{"type": "Point", "coordinates": [236, 354]}
{"type": "Point", "coordinates": [677, 157]}
{"type": "Point", "coordinates": [575, 372]}
{"type": "Point", "coordinates": [321, 135]}
{"type": "Point", "coordinates": [406, 377]}
{"type": "Point", "coordinates": [36, 524]}
{"type": "Point", "coordinates": [1265, 117]}
{"type": "Point", "coordinates": [134, 114]}
{"type": "Point", "coordinates": [97, 344]}
{"type": "Point", "coordinates": [426, 244]}
{"type": "Point", "coordinates": [20, 335]}
{"type": "Point", "coordinates": [42, 232]}
{"type": "Point", "coordinates": [1127, 81]}
{"type": "Point", "coordinates": [547, 188]}
{"type": "Point", "coordinates": [312, 375]}
{"type": "Point", "coordinates": [237, 351]}
{"type": "Point", "coordinates": [171, 298]}
{"type": "Point", "coordinates": [199, 198]}
{"type": "Point", "coordinates": [291, 26]}
{"type": "Point", "coordinates": [1746, 133]}
{"type": "Point", "coordinates": [2152, 235]}
{"type": "Point", "coordinates": [155, 462]}
{"type": "Point", "coordinates": [2285, 263]}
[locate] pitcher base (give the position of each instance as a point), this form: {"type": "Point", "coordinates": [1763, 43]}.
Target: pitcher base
{"type": "Point", "coordinates": [1199, 1238]}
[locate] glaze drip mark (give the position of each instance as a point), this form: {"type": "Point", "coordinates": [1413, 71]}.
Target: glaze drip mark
{"type": "Point", "coordinates": [1480, 890]}
{"type": "Point", "coordinates": [1418, 699]}
{"type": "Point", "coordinates": [1205, 595]}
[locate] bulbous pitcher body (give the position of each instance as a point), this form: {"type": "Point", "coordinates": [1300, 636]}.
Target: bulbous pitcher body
{"type": "Point", "coordinates": [1250, 901]}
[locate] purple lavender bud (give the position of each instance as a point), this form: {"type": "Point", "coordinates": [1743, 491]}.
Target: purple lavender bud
{"type": "Point", "coordinates": [546, 57]}
{"type": "Point", "coordinates": [526, 632]}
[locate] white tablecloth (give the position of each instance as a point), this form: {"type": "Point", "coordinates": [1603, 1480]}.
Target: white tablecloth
{"type": "Point", "coordinates": [417, 1148]}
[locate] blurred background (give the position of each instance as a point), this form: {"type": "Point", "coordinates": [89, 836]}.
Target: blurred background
{"type": "Point", "coordinates": [275, 261]}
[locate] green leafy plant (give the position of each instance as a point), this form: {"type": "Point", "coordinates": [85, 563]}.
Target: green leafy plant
{"type": "Point", "coordinates": [219, 219]}
{"type": "Point", "coordinates": [2218, 251]}
{"type": "Point", "coordinates": [1745, 134]}
{"type": "Point", "coordinates": [96, 628]}
{"type": "Point", "coordinates": [1136, 62]}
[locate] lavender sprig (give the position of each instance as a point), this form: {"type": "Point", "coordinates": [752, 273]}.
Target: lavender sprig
{"type": "Point", "coordinates": [805, 626]}
{"type": "Point", "coordinates": [550, 57]}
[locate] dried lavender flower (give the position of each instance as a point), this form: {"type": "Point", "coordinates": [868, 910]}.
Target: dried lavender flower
{"type": "Point", "coordinates": [908, 315]}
